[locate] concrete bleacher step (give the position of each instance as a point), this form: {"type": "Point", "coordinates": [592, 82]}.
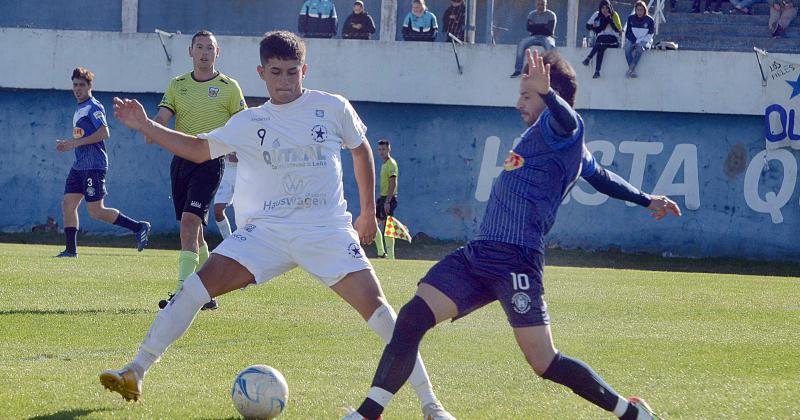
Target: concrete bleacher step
{"type": "Point", "coordinates": [723, 19]}
{"type": "Point", "coordinates": [732, 43]}
{"type": "Point", "coordinates": [745, 31]}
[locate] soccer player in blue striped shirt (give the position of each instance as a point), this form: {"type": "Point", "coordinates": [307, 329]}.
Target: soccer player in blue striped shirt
{"type": "Point", "coordinates": [87, 177]}
{"type": "Point", "coordinates": [506, 260]}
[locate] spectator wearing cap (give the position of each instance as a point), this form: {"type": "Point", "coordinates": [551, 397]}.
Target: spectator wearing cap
{"type": "Point", "coordinates": [781, 14]}
{"type": "Point", "coordinates": [359, 25]}
{"type": "Point", "coordinates": [317, 19]}
{"type": "Point", "coordinates": [542, 27]}
{"type": "Point", "coordinates": [420, 24]}
{"type": "Point", "coordinates": [454, 19]}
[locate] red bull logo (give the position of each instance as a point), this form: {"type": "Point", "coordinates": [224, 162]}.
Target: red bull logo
{"type": "Point", "coordinates": [513, 161]}
{"type": "Point", "coordinates": [77, 133]}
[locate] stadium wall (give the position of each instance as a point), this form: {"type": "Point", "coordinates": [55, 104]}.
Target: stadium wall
{"type": "Point", "coordinates": [448, 157]}
{"type": "Point", "coordinates": [450, 137]}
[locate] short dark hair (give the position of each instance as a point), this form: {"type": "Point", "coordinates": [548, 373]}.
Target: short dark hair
{"type": "Point", "coordinates": [282, 45]}
{"type": "Point", "coordinates": [383, 142]}
{"type": "Point", "coordinates": [202, 33]}
{"type": "Point", "coordinates": [82, 73]}
{"type": "Point", "coordinates": [562, 76]}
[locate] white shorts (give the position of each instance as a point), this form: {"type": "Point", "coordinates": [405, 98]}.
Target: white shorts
{"type": "Point", "coordinates": [268, 250]}
{"type": "Point", "coordinates": [226, 185]}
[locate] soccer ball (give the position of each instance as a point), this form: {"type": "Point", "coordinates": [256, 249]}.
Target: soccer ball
{"type": "Point", "coordinates": [260, 392]}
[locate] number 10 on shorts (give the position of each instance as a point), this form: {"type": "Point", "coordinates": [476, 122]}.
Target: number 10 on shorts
{"type": "Point", "coordinates": [520, 281]}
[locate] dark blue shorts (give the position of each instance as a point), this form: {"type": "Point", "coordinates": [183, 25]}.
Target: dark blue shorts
{"type": "Point", "coordinates": [484, 271]}
{"type": "Point", "coordinates": [91, 183]}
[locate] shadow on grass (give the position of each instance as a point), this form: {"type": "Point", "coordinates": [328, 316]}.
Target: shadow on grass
{"type": "Point", "coordinates": [434, 250]}
{"type": "Point", "coordinates": [132, 311]}
{"type": "Point", "coordinates": [69, 414]}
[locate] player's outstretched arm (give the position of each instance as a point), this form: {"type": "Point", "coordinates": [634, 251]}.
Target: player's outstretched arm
{"type": "Point", "coordinates": [614, 186]}
{"type": "Point", "coordinates": [364, 168]}
{"type": "Point", "coordinates": [132, 114]}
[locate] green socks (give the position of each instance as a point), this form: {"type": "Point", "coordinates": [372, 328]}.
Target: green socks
{"type": "Point", "coordinates": [390, 247]}
{"type": "Point", "coordinates": [187, 264]}
{"type": "Point", "coordinates": [379, 242]}
{"type": "Point", "coordinates": [203, 256]}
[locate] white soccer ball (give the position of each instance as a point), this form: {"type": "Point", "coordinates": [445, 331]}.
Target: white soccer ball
{"type": "Point", "coordinates": [260, 392]}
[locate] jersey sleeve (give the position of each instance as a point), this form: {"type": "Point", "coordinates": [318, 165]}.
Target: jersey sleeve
{"type": "Point", "coordinates": [354, 131]}
{"type": "Point", "coordinates": [224, 140]}
{"type": "Point", "coordinates": [168, 100]}
{"type": "Point", "coordinates": [98, 117]}
{"type": "Point", "coordinates": [236, 100]}
{"type": "Point", "coordinates": [588, 163]}
{"type": "Point", "coordinates": [391, 168]}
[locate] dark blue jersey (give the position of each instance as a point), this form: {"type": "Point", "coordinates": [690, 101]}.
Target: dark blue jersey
{"type": "Point", "coordinates": [89, 117]}
{"type": "Point", "coordinates": [535, 178]}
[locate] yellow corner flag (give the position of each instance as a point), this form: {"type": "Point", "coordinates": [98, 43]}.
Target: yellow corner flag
{"type": "Point", "coordinates": [395, 229]}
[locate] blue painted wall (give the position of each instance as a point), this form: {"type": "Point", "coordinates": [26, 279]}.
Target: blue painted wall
{"type": "Point", "coordinates": [440, 150]}
{"type": "Point", "coordinates": [87, 15]}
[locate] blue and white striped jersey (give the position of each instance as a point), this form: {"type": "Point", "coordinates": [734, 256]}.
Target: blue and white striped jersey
{"type": "Point", "coordinates": [89, 117]}
{"type": "Point", "coordinates": [536, 176]}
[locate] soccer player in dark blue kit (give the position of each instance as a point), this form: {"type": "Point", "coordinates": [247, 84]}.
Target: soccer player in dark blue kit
{"type": "Point", "coordinates": [87, 177]}
{"type": "Point", "coordinates": [506, 260]}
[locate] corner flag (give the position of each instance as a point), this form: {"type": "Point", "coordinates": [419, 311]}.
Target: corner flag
{"type": "Point", "coordinates": [395, 229]}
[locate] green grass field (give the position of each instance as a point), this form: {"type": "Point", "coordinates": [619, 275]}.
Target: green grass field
{"type": "Point", "coordinates": [695, 344]}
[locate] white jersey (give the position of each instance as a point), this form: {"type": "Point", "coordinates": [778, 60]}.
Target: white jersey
{"type": "Point", "coordinates": [290, 166]}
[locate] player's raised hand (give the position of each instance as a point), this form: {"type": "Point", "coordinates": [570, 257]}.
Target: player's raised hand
{"type": "Point", "coordinates": [366, 227]}
{"type": "Point", "coordinates": [662, 205]}
{"type": "Point", "coordinates": [537, 77]}
{"type": "Point", "coordinates": [131, 113]}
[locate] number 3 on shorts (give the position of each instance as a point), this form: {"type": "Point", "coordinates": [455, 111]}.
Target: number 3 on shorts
{"type": "Point", "coordinates": [520, 281]}
{"type": "Point", "coordinates": [88, 182]}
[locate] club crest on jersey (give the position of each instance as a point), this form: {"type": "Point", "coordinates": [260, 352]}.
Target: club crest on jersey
{"type": "Point", "coordinates": [213, 91]}
{"type": "Point", "coordinates": [513, 161]}
{"type": "Point", "coordinates": [77, 133]}
{"type": "Point", "coordinates": [321, 113]}
{"type": "Point", "coordinates": [319, 133]}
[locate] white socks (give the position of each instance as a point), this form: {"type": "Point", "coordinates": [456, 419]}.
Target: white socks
{"type": "Point", "coordinates": [224, 228]}
{"type": "Point", "coordinates": [621, 407]}
{"type": "Point", "coordinates": [382, 322]}
{"type": "Point", "coordinates": [172, 321]}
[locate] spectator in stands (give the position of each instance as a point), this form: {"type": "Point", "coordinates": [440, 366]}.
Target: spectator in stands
{"type": "Point", "coordinates": [420, 24]}
{"type": "Point", "coordinates": [638, 36]}
{"type": "Point", "coordinates": [359, 25]}
{"type": "Point", "coordinates": [607, 27]}
{"type": "Point", "coordinates": [317, 19]}
{"type": "Point", "coordinates": [741, 6]}
{"type": "Point", "coordinates": [716, 10]}
{"type": "Point", "coordinates": [454, 19]}
{"type": "Point", "coordinates": [781, 14]}
{"type": "Point", "coordinates": [542, 27]}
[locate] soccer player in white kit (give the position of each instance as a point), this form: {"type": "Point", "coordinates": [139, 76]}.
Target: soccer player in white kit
{"type": "Point", "coordinates": [290, 197]}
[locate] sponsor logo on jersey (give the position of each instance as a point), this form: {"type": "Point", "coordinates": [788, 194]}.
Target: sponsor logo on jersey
{"type": "Point", "coordinates": [249, 227]}
{"type": "Point", "coordinates": [354, 250]}
{"type": "Point", "coordinates": [321, 113]}
{"type": "Point", "coordinates": [183, 91]}
{"type": "Point", "coordinates": [319, 133]}
{"type": "Point", "coordinates": [513, 161]}
{"type": "Point", "coordinates": [521, 302]}
{"type": "Point", "coordinates": [298, 203]}
{"type": "Point", "coordinates": [213, 91]}
{"type": "Point", "coordinates": [241, 103]}
{"type": "Point", "coordinates": [293, 184]}
{"type": "Point", "coordinates": [239, 237]}
{"type": "Point", "coordinates": [295, 157]}
{"type": "Point", "coordinates": [77, 133]}
{"type": "Point", "coordinates": [195, 204]}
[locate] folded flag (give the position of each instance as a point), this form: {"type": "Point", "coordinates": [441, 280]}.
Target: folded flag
{"type": "Point", "coordinates": [395, 229]}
